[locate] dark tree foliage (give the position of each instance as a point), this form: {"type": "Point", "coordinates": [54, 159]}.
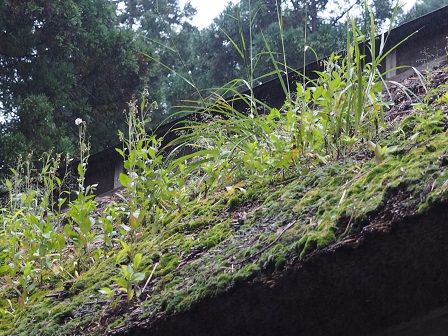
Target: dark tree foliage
{"type": "Point", "coordinates": [421, 8]}
{"type": "Point", "coordinates": [67, 59]}
{"type": "Point", "coordinates": [253, 26]}
{"type": "Point", "coordinates": [242, 42]}
{"type": "Point", "coordinates": [245, 39]}
{"type": "Point", "coordinates": [170, 37]}
{"type": "Point", "coordinates": [61, 60]}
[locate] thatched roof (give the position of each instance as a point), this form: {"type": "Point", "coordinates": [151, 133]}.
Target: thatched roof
{"type": "Point", "coordinates": [351, 248]}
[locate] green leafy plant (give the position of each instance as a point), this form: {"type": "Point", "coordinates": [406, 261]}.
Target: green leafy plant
{"type": "Point", "coordinates": [112, 223]}
{"type": "Point", "coordinates": [428, 118]}
{"type": "Point", "coordinates": [129, 278]}
{"type": "Point", "coordinates": [345, 103]}
{"type": "Point", "coordinates": [30, 238]}
{"type": "Point", "coordinates": [380, 152]}
{"type": "Point", "coordinates": [322, 120]}
{"type": "Point", "coordinates": [80, 216]}
{"type": "Point", "coordinates": [151, 183]}
{"type": "Point", "coordinates": [427, 125]}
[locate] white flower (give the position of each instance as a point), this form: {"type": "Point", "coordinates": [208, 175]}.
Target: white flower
{"type": "Point", "coordinates": [78, 121]}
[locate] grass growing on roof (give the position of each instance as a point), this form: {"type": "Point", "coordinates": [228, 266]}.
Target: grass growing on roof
{"type": "Point", "coordinates": [260, 193]}
{"type": "Point", "coordinates": [223, 253]}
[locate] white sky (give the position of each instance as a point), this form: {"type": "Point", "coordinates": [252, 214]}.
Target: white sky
{"type": "Point", "coordinates": [407, 4]}
{"type": "Point", "coordinates": [207, 10]}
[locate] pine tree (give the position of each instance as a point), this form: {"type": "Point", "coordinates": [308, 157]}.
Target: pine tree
{"type": "Point", "coordinates": [62, 60]}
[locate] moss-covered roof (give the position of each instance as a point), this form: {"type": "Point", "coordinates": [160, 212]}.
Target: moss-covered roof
{"type": "Point", "coordinates": [349, 248]}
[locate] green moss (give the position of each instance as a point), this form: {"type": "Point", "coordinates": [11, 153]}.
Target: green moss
{"type": "Point", "coordinates": [79, 285]}
{"type": "Point", "coordinates": [197, 223]}
{"type": "Point", "coordinates": [313, 240]}
{"type": "Point", "coordinates": [280, 262]}
{"type": "Point", "coordinates": [424, 207]}
{"type": "Point", "coordinates": [274, 259]}
{"type": "Point", "coordinates": [185, 303]}
{"type": "Point", "coordinates": [172, 301]}
{"type": "Point", "coordinates": [247, 273]}
{"type": "Point", "coordinates": [214, 235]}
{"type": "Point", "coordinates": [171, 219]}
{"type": "Point", "coordinates": [168, 263]}
{"type": "Point", "coordinates": [118, 322]}
{"type": "Point", "coordinates": [255, 194]}
{"type": "Point", "coordinates": [201, 255]}
{"type": "Point", "coordinates": [233, 202]}
{"type": "Point", "coordinates": [224, 281]}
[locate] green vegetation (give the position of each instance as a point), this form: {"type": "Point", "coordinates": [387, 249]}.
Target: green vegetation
{"type": "Point", "coordinates": [255, 193]}
{"type": "Point", "coordinates": [421, 8]}
{"type": "Point", "coordinates": [87, 59]}
{"type": "Point", "coordinates": [212, 244]}
{"type": "Point", "coordinates": [61, 61]}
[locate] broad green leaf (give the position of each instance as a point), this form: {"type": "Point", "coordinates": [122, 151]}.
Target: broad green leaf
{"type": "Point", "coordinates": [80, 169]}
{"type": "Point", "coordinates": [391, 149]}
{"type": "Point", "coordinates": [27, 269]}
{"type": "Point", "coordinates": [120, 151]}
{"type": "Point", "coordinates": [371, 145]}
{"type": "Point", "coordinates": [106, 291]}
{"type": "Point", "coordinates": [124, 245]}
{"type": "Point", "coordinates": [122, 283]}
{"type": "Point", "coordinates": [5, 269]}
{"type": "Point", "coordinates": [128, 272]}
{"type": "Point", "coordinates": [378, 86]}
{"type": "Point", "coordinates": [120, 255]}
{"type": "Point", "coordinates": [134, 222]}
{"type": "Point", "coordinates": [61, 202]}
{"type": "Point", "coordinates": [125, 270]}
{"type": "Point", "coordinates": [61, 241]}
{"type": "Point", "coordinates": [125, 227]}
{"type": "Point", "coordinates": [125, 180]}
{"type": "Point", "coordinates": [85, 225]}
{"type": "Point", "coordinates": [31, 287]}
{"type": "Point", "coordinates": [137, 260]}
{"type": "Point", "coordinates": [70, 232]}
{"type": "Point", "coordinates": [136, 277]}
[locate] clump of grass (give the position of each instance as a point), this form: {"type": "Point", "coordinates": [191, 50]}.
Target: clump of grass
{"type": "Point", "coordinates": [322, 121]}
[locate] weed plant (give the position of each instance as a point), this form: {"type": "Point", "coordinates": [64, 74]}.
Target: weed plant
{"type": "Point", "coordinates": [322, 120]}
{"type": "Point", "coordinates": [80, 219]}
{"type": "Point", "coordinates": [31, 242]}
{"type": "Point", "coordinates": [154, 186]}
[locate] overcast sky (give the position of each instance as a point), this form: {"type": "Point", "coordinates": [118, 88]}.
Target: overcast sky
{"type": "Point", "coordinates": [209, 9]}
